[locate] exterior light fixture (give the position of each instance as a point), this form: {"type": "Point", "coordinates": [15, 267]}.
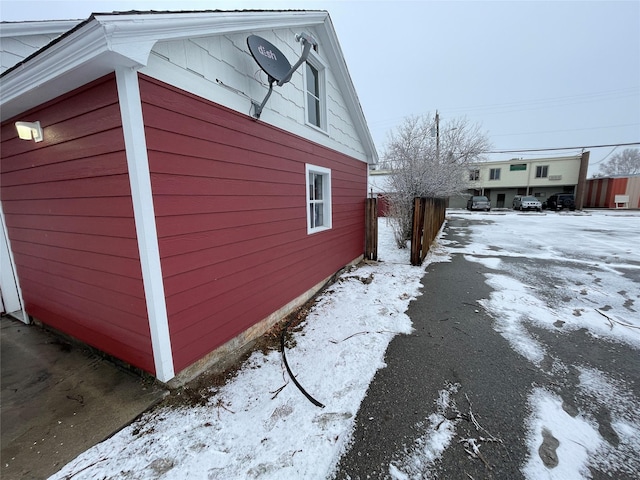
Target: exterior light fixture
{"type": "Point", "coordinates": [29, 131]}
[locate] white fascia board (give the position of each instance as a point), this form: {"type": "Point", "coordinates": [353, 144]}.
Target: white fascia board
{"type": "Point", "coordinates": [47, 27]}
{"type": "Point", "coordinates": [108, 40]}
{"type": "Point", "coordinates": [174, 26]}
{"type": "Point", "coordinates": [64, 65]}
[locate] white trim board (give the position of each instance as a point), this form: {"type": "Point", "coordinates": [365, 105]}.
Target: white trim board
{"type": "Point", "coordinates": [143, 210]}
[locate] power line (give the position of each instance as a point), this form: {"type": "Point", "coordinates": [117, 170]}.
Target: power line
{"type": "Point", "coordinates": [564, 130]}
{"type": "Point", "coordinates": [552, 102]}
{"type": "Point", "coordinates": [523, 105]}
{"type": "Point", "coordinates": [605, 157]}
{"type": "Point", "coordinates": [564, 148]}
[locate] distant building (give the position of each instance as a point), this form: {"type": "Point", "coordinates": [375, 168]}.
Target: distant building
{"type": "Point", "coordinates": [501, 181]}
{"type": "Point", "coordinates": [613, 192]}
{"type": "Point", "coordinates": [380, 188]}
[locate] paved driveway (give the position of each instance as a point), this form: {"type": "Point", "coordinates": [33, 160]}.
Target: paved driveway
{"type": "Point", "coordinates": [523, 363]}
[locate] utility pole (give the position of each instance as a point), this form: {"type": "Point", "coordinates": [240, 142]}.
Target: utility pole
{"type": "Point", "coordinates": [582, 179]}
{"type": "Point", "coordinates": [437, 137]}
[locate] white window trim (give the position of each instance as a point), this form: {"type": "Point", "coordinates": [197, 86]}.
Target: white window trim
{"type": "Point", "coordinates": [327, 198]}
{"type": "Point", "coordinates": [319, 65]}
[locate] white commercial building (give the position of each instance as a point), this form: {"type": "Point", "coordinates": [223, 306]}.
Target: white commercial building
{"type": "Point", "coordinates": [500, 181]}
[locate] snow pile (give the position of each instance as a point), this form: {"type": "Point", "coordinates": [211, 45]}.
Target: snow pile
{"type": "Point", "coordinates": [584, 284]}
{"type": "Point", "coordinates": [575, 440]}
{"type": "Point", "coordinates": [439, 430]}
{"type": "Point", "coordinates": [259, 425]}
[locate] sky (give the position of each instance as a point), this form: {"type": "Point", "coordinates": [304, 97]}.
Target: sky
{"type": "Point", "coordinates": [259, 425]}
{"type": "Point", "coordinates": [531, 74]}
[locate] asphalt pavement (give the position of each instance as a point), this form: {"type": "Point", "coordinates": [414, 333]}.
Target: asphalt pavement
{"type": "Point", "coordinates": [454, 344]}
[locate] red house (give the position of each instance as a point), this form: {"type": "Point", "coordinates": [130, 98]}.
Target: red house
{"type": "Point", "coordinates": [157, 219]}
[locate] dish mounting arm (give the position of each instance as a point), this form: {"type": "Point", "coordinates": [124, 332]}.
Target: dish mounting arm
{"type": "Point", "coordinates": [308, 41]}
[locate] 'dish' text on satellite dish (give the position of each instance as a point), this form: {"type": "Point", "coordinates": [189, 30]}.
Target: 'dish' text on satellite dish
{"type": "Point", "coordinates": [274, 63]}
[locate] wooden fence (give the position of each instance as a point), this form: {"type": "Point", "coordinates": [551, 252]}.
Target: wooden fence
{"type": "Point", "coordinates": [371, 230]}
{"type": "Point", "coordinates": [428, 217]}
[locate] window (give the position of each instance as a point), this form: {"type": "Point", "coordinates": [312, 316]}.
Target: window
{"type": "Point", "coordinates": [542, 171]}
{"type": "Point", "coordinates": [313, 96]}
{"type": "Point", "coordinates": [318, 198]}
{"type": "Point", "coordinates": [315, 92]}
{"type": "Point", "coordinates": [494, 174]}
{"type": "Point", "coordinates": [474, 174]}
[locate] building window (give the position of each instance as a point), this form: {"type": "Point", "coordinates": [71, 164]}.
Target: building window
{"type": "Point", "coordinates": [318, 198]}
{"type": "Point", "coordinates": [542, 171]}
{"type": "Point", "coordinates": [494, 174]}
{"type": "Point", "coordinates": [474, 175]}
{"type": "Point", "coordinates": [315, 93]}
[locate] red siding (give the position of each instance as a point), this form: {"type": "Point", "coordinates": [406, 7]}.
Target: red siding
{"type": "Point", "coordinates": [590, 194]}
{"type": "Point", "coordinates": [603, 185]}
{"type": "Point", "coordinates": [618, 186]}
{"type": "Point", "coordinates": [229, 194]}
{"type": "Point", "coordinates": [603, 191]}
{"type": "Point", "coordinates": [67, 203]}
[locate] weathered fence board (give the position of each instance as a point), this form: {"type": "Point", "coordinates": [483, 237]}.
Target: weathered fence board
{"type": "Point", "coordinates": [371, 229]}
{"type": "Point", "coordinates": [428, 217]}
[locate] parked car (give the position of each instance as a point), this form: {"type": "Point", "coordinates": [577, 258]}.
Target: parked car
{"type": "Point", "coordinates": [527, 202]}
{"type": "Point", "coordinates": [559, 201]}
{"type": "Point", "coordinates": [479, 202]}
{"type": "Point", "coordinates": [516, 201]}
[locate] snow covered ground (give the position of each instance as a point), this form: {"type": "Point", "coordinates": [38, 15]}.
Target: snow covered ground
{"type": "Point", "coordinates": [592, 264]}
{"type": "Point", "coordinates": [259, 425]}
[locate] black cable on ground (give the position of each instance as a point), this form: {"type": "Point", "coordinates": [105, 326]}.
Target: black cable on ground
{"type": "Point", "coordinates": [284, 357]}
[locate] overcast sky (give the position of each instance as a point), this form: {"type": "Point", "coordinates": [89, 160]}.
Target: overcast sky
{"type": "Point", "coordinates": [533, 74]}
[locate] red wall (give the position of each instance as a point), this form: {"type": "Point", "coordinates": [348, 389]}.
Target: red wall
{"type": "Point", "coordinates": [595, 187]}
{"type": "Point", "coordinates": [69, 216]}
{"type": "Point", "coordinates": [229, 196]}
{"type": "Point", "coordinates": [618, 187]}
{"type": "Point", "coordinates": [601, 192]}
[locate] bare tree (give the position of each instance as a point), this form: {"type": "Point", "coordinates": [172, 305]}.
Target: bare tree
{"type": "Point", "coordinates": [429, 160]}
{"type": "Point", "coordinates": [626, 162]}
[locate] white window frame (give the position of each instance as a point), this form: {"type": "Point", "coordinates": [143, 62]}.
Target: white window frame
{"type": "Point", "coordinates": [326, 198]}
{"type": "Point", "coordinates": [494, 174]}
{"type": "Point", "coordinates": [314, 61]}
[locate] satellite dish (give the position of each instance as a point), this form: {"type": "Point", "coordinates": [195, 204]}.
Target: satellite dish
{"type": "Point", "coordinates": [274, 63]}
{"type": "Point", "coordinates": [271, 60]}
